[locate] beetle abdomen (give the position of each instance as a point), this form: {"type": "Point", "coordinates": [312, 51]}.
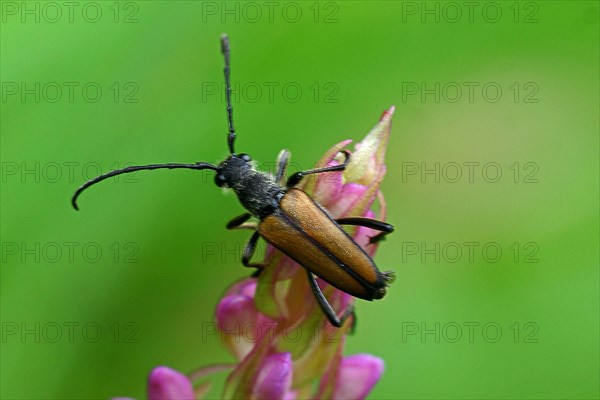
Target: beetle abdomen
{"type": "Point", "coordinates": [307, 234]}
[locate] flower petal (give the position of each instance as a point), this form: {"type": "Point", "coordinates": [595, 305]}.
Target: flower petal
{"type": "Point", "coordinates": [307, 184]}
{"type": "Point", "coordinates": [274, 378]}
{"type": "Point", "coordinates": [167, 384]}
{"type": "Point", "coordinates": [328, 186]}
{"type": "Point", "coordinates": [240, 323]}
{"type": "Point", "coordinates": [234, 312]}
{"type": "Point", "coordinates": [244, 287]}
{"type": "Point", "coordinates": [357, 375]}
{"type": "Point", "coordinates": [352, 193]}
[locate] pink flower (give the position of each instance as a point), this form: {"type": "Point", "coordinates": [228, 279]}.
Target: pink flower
{"type": "Point", "coordinates": [284, 345]}
{"type": "Point", "coordinates": [357, 375]}
{"type": "Point", "coordinates": [167, 384]}
{"type": "Point", "coordinates": [274, 378]}
{"type": "Point", "coordinates": [291, 326]}
{"type": "Point", "coordinates": [238, 319]}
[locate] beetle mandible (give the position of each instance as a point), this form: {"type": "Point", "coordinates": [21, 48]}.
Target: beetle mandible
{"type": "Point", "coordinates": [290, 220]}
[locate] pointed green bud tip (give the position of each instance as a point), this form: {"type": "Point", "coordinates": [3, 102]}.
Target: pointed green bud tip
{"type": "Point", "coordinates": [367, 161]}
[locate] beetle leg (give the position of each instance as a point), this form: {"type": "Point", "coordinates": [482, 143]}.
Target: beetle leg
{"type": "Point", "coordinates": [295, 178]}
{"type": "Point", "coordinates": [239, 222]}
{"type": "Point", "coordinates": [375, 224]}
{"type": "Point", "coordinates": [249, 252]}
{"type": "Point", "coordinates": [282, 162]}
{"type": "Point", "coordinates": [324, 304]}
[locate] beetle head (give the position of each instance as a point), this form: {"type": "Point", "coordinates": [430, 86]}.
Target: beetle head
{"type": "Point", "coordinates": [232, 169]}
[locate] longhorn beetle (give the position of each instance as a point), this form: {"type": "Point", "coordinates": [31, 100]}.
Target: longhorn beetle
{"type": "Point", "coordinates": [289, 219]}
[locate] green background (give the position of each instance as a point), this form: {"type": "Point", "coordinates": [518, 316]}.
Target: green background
{"type": "Point", "coordinates": [351, 60]}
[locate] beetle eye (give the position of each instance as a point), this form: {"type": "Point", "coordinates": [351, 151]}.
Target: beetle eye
{"type": "Point", "coordinates": [220, 180]}
{"type": "Point", "coordinates": [245, 157]}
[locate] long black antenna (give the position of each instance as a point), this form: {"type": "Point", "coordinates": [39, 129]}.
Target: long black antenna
{"type": "Point", "coordinates": [198, 165]}
{"type": "Point", "coordinates": [225, 50]}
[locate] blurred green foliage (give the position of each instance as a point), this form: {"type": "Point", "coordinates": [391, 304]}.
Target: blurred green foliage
{"type": "Point", "coordinates": [165, 255]}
